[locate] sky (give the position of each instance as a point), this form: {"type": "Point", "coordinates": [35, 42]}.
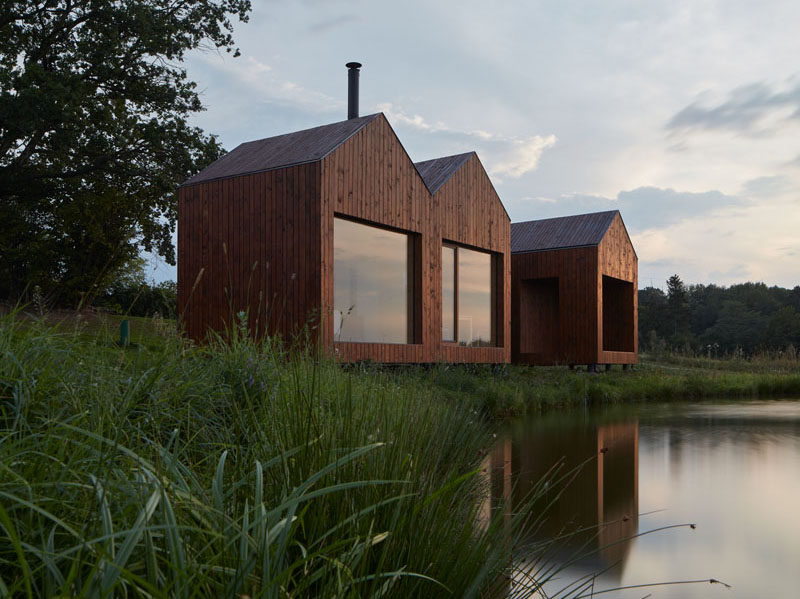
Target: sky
{"type": "Point", "coordinates": [683, 115]}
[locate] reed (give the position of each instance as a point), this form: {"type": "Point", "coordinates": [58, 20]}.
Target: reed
{"type": "Point", "coordinates": [233, 469]}
{"type": "Point", "coordinates": [242, 469]}
{"type": "Point", "coordinates": [512, 390]}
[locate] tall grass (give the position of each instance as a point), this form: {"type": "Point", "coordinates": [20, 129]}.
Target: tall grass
{"type": "Point", "coordinates": [232, 470]}
{"type": "Point", "coordinates": [513, 390]}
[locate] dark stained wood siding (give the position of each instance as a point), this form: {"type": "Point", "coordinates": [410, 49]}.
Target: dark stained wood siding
{"type": "Point", "coordinates": [236, 231]}
{"type": "Point", "coordinates": [617, 258]}
{"type": "Point", "coordinates": [580, 273]}
{"type": "Point", "coordinates": [576, 271]}
{"type": "Point", "coordinates": [265, 241]}
{"type": "Point", "coordinates": [539, 311]}
{"type": "Point", "coordinates": [372, 179]}
{"type": "Point", "coordinates": [467, 211]}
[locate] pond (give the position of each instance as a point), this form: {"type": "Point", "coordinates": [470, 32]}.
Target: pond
{"type": "Point", "coordinates": [733, 470]}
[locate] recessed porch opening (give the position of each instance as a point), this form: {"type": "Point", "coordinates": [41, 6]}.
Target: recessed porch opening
{"type": "Point", "coordinates": [539, 330]}
{"type": "Point", "coordinates": [618, 333]}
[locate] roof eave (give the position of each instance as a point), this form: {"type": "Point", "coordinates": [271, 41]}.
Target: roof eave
{"type": "Point", "coordinates": [552, 249]}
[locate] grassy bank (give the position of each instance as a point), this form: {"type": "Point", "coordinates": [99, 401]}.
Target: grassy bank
{"type": "Point", "coordinates": [513, 390]}
{"type": "Point", "coordinates": [237, 469]}
{"type": "Point", "coordinates": [231, 470]}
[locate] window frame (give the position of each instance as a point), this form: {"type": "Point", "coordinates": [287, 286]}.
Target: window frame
{"type": "Point", "coordinates": [493, 311]}
{"type": "Point", "coordinates": [413, 282]}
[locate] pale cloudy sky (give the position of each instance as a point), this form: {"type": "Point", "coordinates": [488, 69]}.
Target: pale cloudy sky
{"type": "Point", "coordinates": [684, 115]}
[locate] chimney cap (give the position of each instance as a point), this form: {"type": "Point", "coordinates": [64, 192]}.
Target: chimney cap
{"type": "Point", "coordinates": [353, 65]}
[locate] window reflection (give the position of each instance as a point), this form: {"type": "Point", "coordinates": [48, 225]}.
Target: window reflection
{"type": "Point", "coordinates": [474, 298]}
{"type": "Point", "coordinates": [370, 283]}
{"type": "Point", "coordinates": [448, 293]}
{"type": "Point", "coordinates": [467, 296]}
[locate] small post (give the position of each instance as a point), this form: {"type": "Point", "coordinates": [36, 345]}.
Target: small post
{"type": "Point", "coordinates": [608, 367]}
{"type": "Point", "coordinates": [125, 333]}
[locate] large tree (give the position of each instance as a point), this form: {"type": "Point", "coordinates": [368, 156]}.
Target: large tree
{"type": "Point", "coordinates": [94, 137]}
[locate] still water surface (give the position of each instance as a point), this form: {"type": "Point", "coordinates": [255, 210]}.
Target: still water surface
{"type": "Point", "coordinates": [732, 469]}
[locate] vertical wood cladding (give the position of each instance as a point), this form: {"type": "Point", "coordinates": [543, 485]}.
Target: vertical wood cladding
{"type": "Point", "coordinates": [617, 259]}
{"type": "Point", "coordinates": [467, 211]}
{"type": "Point", "coordinates": [575, 269]}
{"type": "Point", "coordinates": [539, 311]}
{"type": "Point", "coordinates": [580, 272]}
{"type": "Point", "coordinates": [372, 179]}
{"type": "Point", "coordinates": [265, 241]}
{"type": "Point", "coordinates": [233, 236]}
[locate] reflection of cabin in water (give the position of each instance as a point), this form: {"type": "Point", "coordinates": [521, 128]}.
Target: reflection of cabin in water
{"type": "Point", "coordinates": [336, 227]}
{"type": "Point", "coordinates": [601, 498]}
{"type": "Point", "coordinates": [574, 286]}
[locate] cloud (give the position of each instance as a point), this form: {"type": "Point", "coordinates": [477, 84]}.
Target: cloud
{"type": "Point", "coordinates": [333, 23]}
{"type": "Point", "coordinates": [768, 186]}
{"type": "Point", "coordinates": [745, 110]}
{"type": "Point", "coordinates": [260, 81]}
{"type": "Point", "coordinates": [523, 156]}
{"type": "Point", "coordinates": [746, 243]}
{"type": "Point", "coordinates": [643, 208]}
{"type": "Point", "coordinates": [704, 237]}
{"type": "Point", "coordinates": [511, 156]}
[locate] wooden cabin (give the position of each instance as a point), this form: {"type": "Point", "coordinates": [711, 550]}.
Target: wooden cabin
{"type": "Point", "coordinates": [333, 232]}
{"type": "Point", "coordinates": [574, 291]}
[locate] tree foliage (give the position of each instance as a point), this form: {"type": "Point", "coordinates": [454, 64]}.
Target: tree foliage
{"type": "Point", "coordinates": [711, 319]}
{"type": "Point", "coordinates": [678, 308]}
{"type": "Point", "coordinates": [94, 137]}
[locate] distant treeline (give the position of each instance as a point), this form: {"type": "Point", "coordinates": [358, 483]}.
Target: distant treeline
{"type": "Point", "coordinates": [712, 320]}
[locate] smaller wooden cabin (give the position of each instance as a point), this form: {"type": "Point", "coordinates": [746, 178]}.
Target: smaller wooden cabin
{"type": "Point", "coordinates": [574, 291]}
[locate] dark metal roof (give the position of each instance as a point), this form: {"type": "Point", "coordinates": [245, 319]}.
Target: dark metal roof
{"type": "Point", "coordinates": [562, 232]}
{"type": "Point", "coordinates": [281, 151]}
{"type": "Point", "coordinates": [436, 172]}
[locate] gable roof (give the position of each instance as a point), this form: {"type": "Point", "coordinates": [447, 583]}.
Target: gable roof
{"type": "Point", "coordinates": [282, 151]}
{"type": "Point", "coordinates": [436, 172]}
{"type": "Point", "coordinates": [579, 230]}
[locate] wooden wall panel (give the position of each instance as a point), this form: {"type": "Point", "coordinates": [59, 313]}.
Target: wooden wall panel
{"type": "Point", "coordinates": [264, 243]}
{"type": "Point", "coordinates": [617, 258]}
{"type": "Point", "coordinates": [372, 179]}
{"type": "Point", "coordinates": [467, 211]}
{"type": "Point", "coordinates": [575, 270]}
{"type": "Point", "coordinates": [237, 231]}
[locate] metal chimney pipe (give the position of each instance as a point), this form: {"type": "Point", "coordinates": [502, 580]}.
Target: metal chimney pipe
{"type": "Point", "coordinates": [352, 89]}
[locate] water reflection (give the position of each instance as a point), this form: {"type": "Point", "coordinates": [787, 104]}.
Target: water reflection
{"type": "Point", "coordinates": [733, 469]}
{"type": "Point", "coordinates": [589, 473]}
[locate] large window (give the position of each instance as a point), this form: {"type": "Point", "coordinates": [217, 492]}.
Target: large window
{"type": "Point", "coordinates": [371, 284]}
{"type": "Point", "coordinates": [467, 302]}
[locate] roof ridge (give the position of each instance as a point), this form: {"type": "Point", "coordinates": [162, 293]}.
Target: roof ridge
{"type": "Point", "coordinates": [538, 220]}
{"type": "Point", "coordinates": [578, 230]}
{"type": "Point", "coordinates": [282, 151]}
{"type": "Point", "coordinates": [366, 118]}
{"type": "Point", "coordinates": [433, 177]}
{"type": "Point", "coordinates": [446, 157]}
